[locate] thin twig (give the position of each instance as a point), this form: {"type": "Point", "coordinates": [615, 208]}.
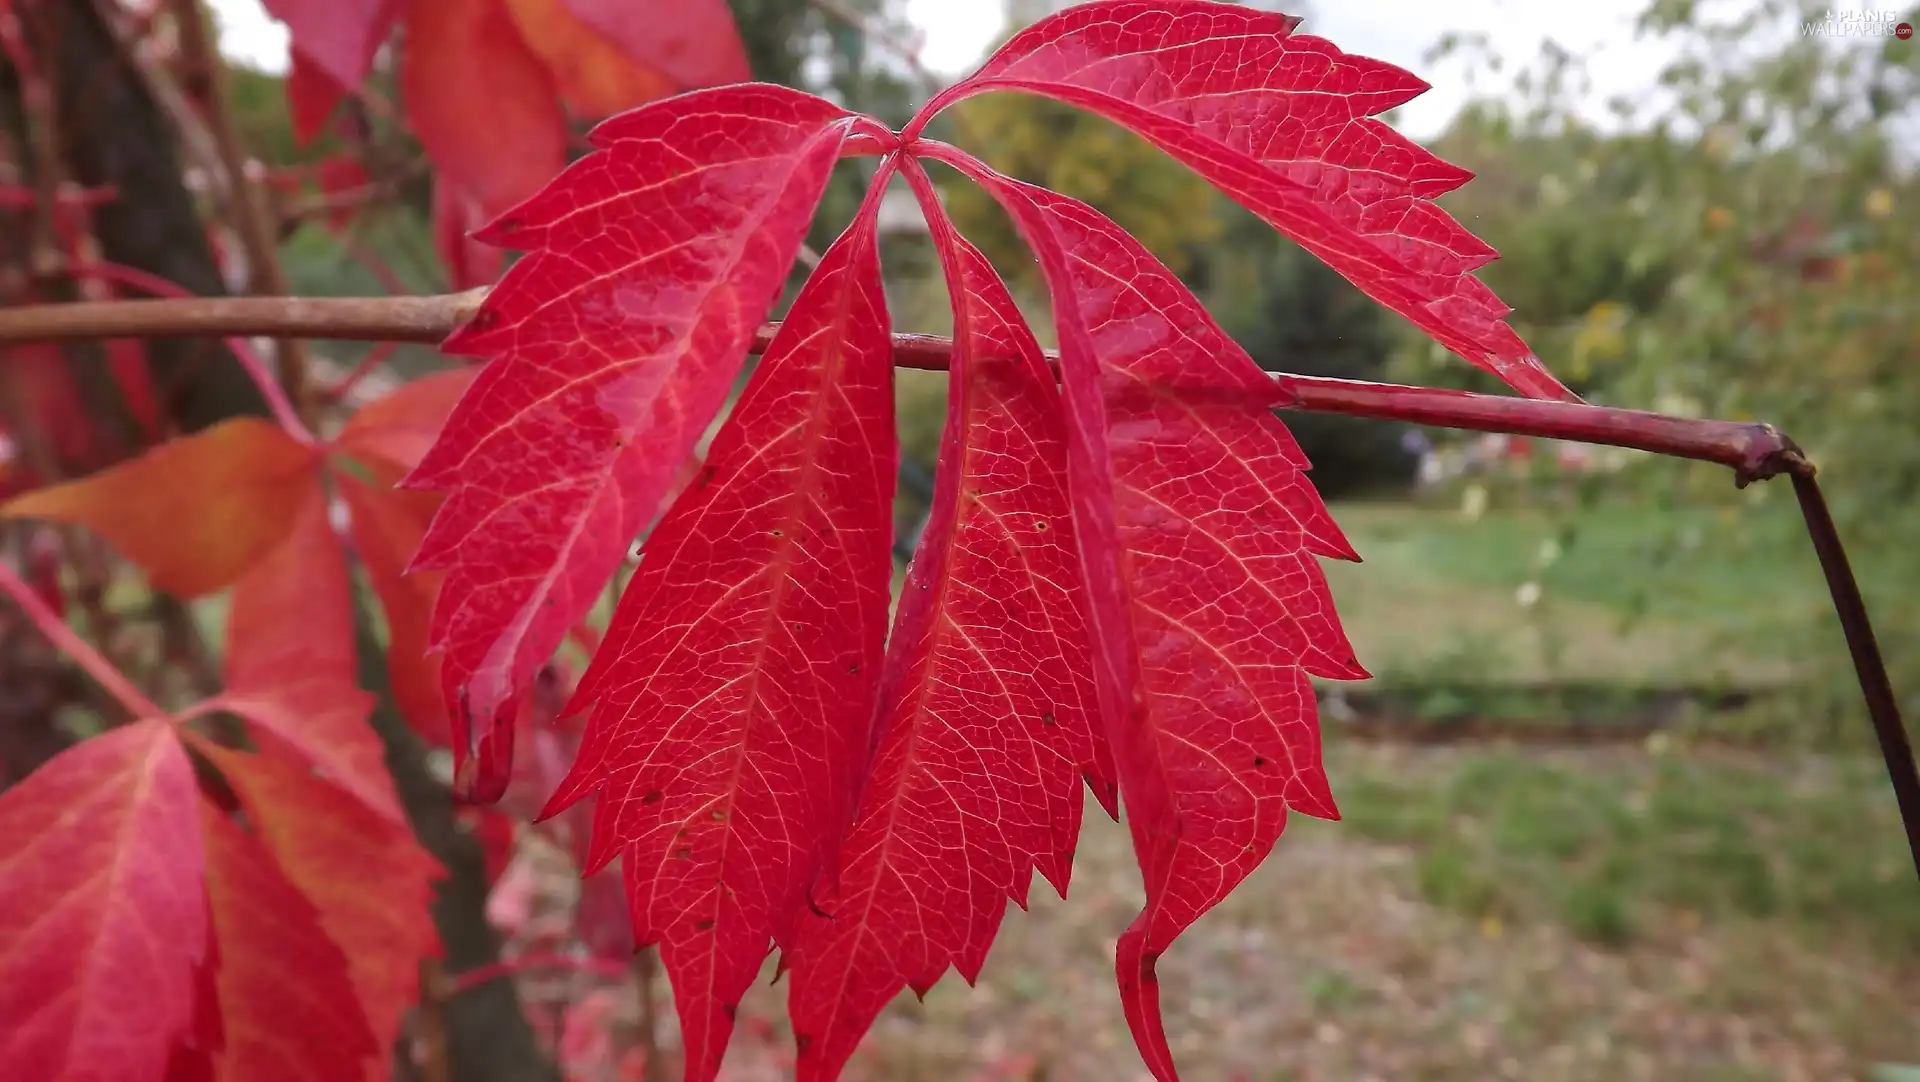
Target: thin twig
{"type": "Point", "coordinates": [1882, 707]}
{"type": "Point", "coordinates": [270, 388]}
{"type": "Point", "coordinates": [1755, 451]}
{"type": "Point", "coordinates": [370, 319]}
{"type": "Point", "coordinates": [507, 967]}
{"type": "Point", "coordinates": [43, 135]}
{"type": "Point", "coordinates": [252, 216]}
{"type": "Point", "coordinates": [80, 650]}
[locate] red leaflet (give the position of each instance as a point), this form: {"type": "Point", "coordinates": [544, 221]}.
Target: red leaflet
{"type": "Point", "coordinates": [339, 37]}
{"type": "Point", "coordinates": [104, 917]}
{"type": "Point", "coordinates": [455, 216]}
{"type": "Point", "coordinates": [387, 527]}
{"type": "Point", "coordinates": [733, 697]}
{"type": "Point", "coordinates": [1282, 123]}
{"type": "Point", "coordinates": [290, 667]}
{"type": "Point", "coordinates": [481, 103]}
{"type": "Point", "coordinates": [614, 342]}
{"type": "Point", "coordinates": [312, 95]}
{"type": "Point", "coordinates": [287, 1010]}
{"type": "Point", "coordinates": [398, 427]}
{"type": "Point", "coordinates": [368, 880]}
{"type": "Point", "coordinates": [1198, 534]}
{"type": "Point", "coordinates": [691, 42]}
{"type": "Point", "coordinates": [986, 700]}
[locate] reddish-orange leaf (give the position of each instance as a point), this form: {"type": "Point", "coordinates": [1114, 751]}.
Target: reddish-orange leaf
{"type": "Point", "coordinates": [595, 76]}
{"type": "Point", "coordinates": [193, 512]}
{"type": "Point", "coordinates": [693, 43]}
{"type": "Point", "coordinates": [455, 216]}
{"type": "Point", "coordinates": [338, 36]}
{"type": "Point", "coordinates": [398, 427]}
{"type": "Point", "coordinates": [291, 616]}
{"type": "Point", "coordinates": [291, 666]}
{"type": "Point", "coordinates": [1199, 541]}
{"type": "Point", "coordinates": [482, 104]}
{"type": "Point", "coordinates": [987, 704]}
{"type": "Point", "coordinates": [613, 343]}
{"type": "Point", "coordinates": [103, 911]}
{"type": "Point", "coordinates": [367, 877]}
{"type": "Point", "coordinates": [312, 95]}
{"type": "Point", "coordinates": [387, 527]}
{"type": "Point", "coordinates": [287, 1009]}
{"type": "Point", "coordinates": [733, 696]}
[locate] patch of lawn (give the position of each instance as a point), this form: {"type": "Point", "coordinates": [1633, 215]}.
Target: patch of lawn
{"type": "Point", "coordinates": [1617, 846]}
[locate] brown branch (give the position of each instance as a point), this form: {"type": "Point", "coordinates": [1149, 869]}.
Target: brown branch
{"type": "Point", "coordinates": [1753, 451]}
{"type": "Point", "coordinates": [1882, 707]}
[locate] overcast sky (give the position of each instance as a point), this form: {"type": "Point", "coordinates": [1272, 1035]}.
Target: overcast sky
{"type": "Point", "coordinates": [1398, 31]}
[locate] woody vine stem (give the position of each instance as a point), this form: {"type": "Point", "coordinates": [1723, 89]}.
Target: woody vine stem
{"type": "Point", "coordinates": [1754, 451]}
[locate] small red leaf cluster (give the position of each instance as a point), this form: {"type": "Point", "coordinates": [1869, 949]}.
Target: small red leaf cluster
{"type": "Point", "coordinates": [488, 86]}
{"type": "Point", "coordinates": [1119, 582]}
{"type": "Point", "coordinates": [163, 919]}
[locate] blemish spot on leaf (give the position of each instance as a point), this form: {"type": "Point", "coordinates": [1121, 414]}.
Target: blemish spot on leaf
{"type": "Point", "coordinates": [779, 533]}
{"type": "Point", "coordinates": [651, 796]}
{"type": "Point", "coordinates": [1041, 525]}
{"type": "Point", "coordinates": [1048, 719]}
{"type": "Point", "coordinates": [1259, 761]}
{"type": "Point", "coordinates": [683, 853]}
{"type": "Point", "coordinates": [703, 925]}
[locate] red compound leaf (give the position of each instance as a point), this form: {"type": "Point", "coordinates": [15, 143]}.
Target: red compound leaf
{"type": "Point", "coordinates": [733, 697]}
{"type": "Point", "coordinates": [986, 701]}
{"type": "Point", "coordinates": [612, 345]}
{"type": "Point", "coordinates": [1199, 536]}
{"type": "Point", "coordinates": [1284, 123]}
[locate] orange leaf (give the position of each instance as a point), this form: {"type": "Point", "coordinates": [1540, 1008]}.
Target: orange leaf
{"type": "Point", "coordinates": [103, 916]}
{"type": "Point", "coordinates": [369, 880]}
{"type": "Point", "coordinates": [694, 43]}
{"type": "Point", "coordinates": [194, 512]}
{"type": "Point", "coordinates": [292, 612]}
{"type": "Point", "coordinates": [287, 1008]}
{"type": "Point", "coordinates": [595, 76]}
{"type": "Point", "coordinates": [387, 527]}
{"type": "Point", "coordinates": [482, 104]}
{"type": "Point", "coordinates": [400, 426]}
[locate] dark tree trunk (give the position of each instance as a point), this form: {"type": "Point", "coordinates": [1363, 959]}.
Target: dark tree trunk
{"type": "Point", "coordinates": [114, 134]}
